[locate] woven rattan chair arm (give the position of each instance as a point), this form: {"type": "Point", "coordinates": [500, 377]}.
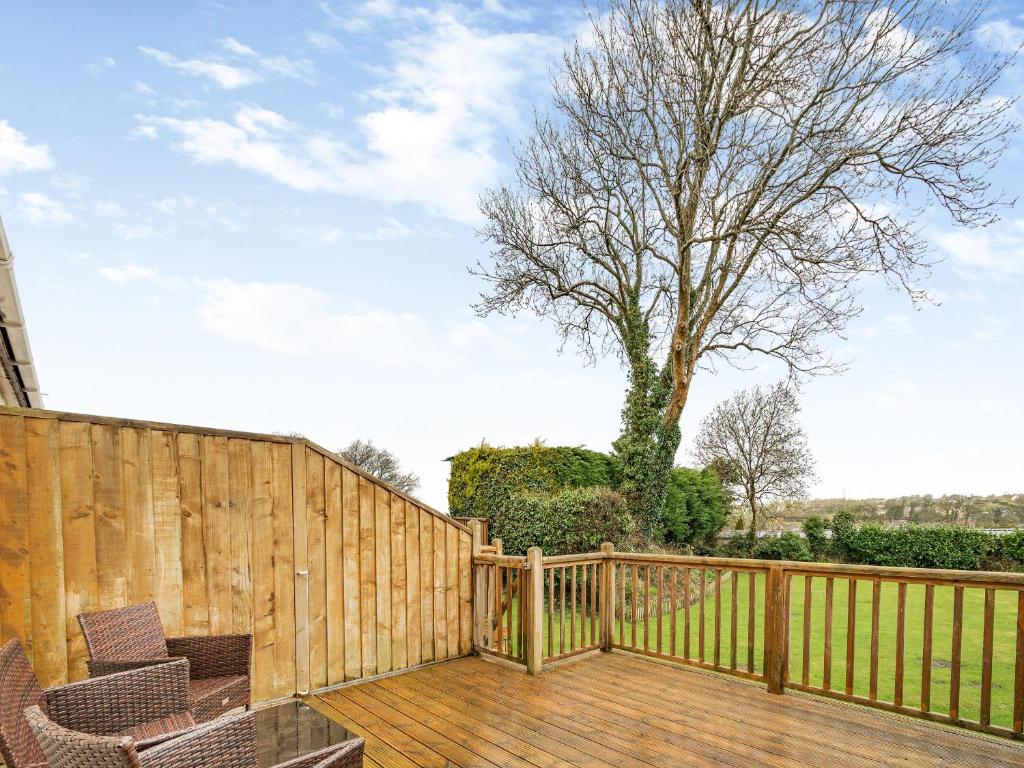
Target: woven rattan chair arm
{"type": "Point", "coordinates": [229, 742]}
{"type": "Point", "coordinates": [117, 702]}
{"type": "Point", "coordinates": [100, 667]}
{"type": "Point", "coordinates": [348, 754]}
{"type": "Point", "coordinates": [214, 655]}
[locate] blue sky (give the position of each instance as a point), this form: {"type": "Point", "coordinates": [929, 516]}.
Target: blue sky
{"type": "Point", "coordinates": [259, 216]}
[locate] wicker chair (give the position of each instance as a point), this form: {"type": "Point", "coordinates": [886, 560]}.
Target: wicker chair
{"type": "Point", "coordinates": [226, 743]}
{"type": "Point", "coordinates": [127, 638]}
{"type": "Point", "coordinates": [147, 704]}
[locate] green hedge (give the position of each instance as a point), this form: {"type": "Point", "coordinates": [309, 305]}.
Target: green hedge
{"type": "Point", "coordinates": [572, 520]}
{"type": "Point", "coordinates": [696, 507]}
{"type": "Point", "coordinates": [787, 546]}
{"type": "Point", "coordinates": [483, 479]}
{"type": "Point", "coordinates": [915, 546]}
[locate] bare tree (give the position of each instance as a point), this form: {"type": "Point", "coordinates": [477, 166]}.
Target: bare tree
{"type": "Point", "coordinates": [757, 433]}
{"type": "Point", "coordinates": [380, 463]}
{"type": "Point", "coordinates": [958, 509]}
{"type": "Point", "coordinates": [715, 177]}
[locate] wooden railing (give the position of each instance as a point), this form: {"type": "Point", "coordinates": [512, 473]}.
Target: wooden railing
{"type": "Point", "coordinates": [946, 646]}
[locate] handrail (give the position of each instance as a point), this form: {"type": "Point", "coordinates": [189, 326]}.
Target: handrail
{"type": "Point", "coordinates": [747, 617]}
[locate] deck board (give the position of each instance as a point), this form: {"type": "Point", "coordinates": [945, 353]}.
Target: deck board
{"type": "Point", "coordinates": [620, 710]}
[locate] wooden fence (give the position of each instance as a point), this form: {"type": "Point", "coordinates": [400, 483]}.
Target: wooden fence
{"type": "Point", "coordinates": [337, 575]}
{"type": "Point", "coordinates": [740, 617]}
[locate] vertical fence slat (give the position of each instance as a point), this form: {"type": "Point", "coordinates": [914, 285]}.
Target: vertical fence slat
{"type": "Point", "coordinates": [561, 610]}
{"type": "Point", "coordinates": [498, 625]}
{"type": "Point", "coordinates": [700, 617]}
{"type": "Point", "coordinates": [851, 634]}
{"type": "Point", "coordinates": [622, 604]}
{"type": "Point", "coordinates": [633, 602]}
{"type": "Point", "coordinates": [751, 619]}
{"type": "Point", "coordinates": [686, 616]}
{"type": "Point", "coordinates": [876, 601]}
{"type": "Point", "coordinates": [661, 597]}
{"type": "Point", "coordinates": [551, 611]}
{"type": "Point", "coordinates": [734, 604]}
{"type": "Point", "coordinates": [718, 617]}
{"type": "Point", "coordinates": [1018, 678]}
{"type": "Point", "coordinates": [826, 670]}
{"type": "Point", "coordinates": [986, 657]}
{"type": "Point", "coordinates": [572, 609]}
{"type": "Point", "coordinates": [805, 672]}
{"type": "Point", "coordinates": [672, 574]}
{"type": "Point", "coordinates": [594, 575]}
{"type": "Point", "coordinates": [954, 656]}
{"type": "Point", "coordinates": [901, 639]}
{"type": "Point", "coordinates": [926, 653]}
{"type": "Point", "coordinates": [647, 607]}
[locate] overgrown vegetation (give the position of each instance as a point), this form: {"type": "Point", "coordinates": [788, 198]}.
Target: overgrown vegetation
{"type": "Point", "coordinates": [514, 486]}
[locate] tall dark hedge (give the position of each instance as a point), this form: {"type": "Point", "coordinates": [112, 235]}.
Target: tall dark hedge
{"type": "Point", "coordinates": [696, 507]}
{"type": "Point", "coordinates": [914, 546]}
{"type": "Point", "coordinates": [483, 479]}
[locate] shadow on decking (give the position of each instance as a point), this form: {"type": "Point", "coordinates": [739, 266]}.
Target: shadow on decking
{"type": "Point", "coordinates": [620, 710]}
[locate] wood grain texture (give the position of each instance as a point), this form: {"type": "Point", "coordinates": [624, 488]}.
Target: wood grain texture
{"type": "Point", "coordinates": [612, 710]}
{"type": "Point", "coordinates": [218, 527]}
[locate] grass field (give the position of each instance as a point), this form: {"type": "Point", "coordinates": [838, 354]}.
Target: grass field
{"type": "Point", "coordinates": [1004, 641]}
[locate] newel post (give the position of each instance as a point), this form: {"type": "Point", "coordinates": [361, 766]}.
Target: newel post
{"type": "Point", "coordinates": [534, 610]}
{"type": "Point", "coordinates": [775, 619]}
{"type": "Point", "coordinates": [606, 593]}
{"type": "Point", "coordinates": [479, 585]}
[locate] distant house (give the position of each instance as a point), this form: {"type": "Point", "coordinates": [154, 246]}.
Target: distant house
{"type": "Point", "coordinates": [18, 383]}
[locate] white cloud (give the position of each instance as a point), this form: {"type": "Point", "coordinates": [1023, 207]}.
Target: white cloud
{"type": "Point", "coordinates": [97, 68]}
{"type": "Point", "coordinates": [143, 89]}
{"type": "Point", "coordinates": [998, 248]}
{"type": "Point", "coordinates": [431, 137]}
{"type": "Point", "coordinates": [899, 395]}
{"type": "Point", "coordinates": [231, 45]}
{"type": "Point", "coordinates": [323, 40]}
{"type": "Point", "coordinates": [130, 273]}
{"type": "Point", "coordinates": [1001, 35]}
{"type": "Point", "coordinates": [247, 67]}
{"type": "Point", "coordinates": [17, 155]}
{"type": "Point", "coordinates": [37, 208]}
{"type": "Point", "coordinates": [224, 75]}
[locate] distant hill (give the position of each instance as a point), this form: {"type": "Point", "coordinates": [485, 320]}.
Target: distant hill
{"type": "Point", "coordinates": [1000, 511]}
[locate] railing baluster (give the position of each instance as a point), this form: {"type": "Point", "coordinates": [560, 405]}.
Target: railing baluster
{"type": "Point", "coordinates": [732, 618]}
{"type": "Point", "coordinates": [512, 590]}
{"type": "Point", "coordinates": [551, 611]}
{"type": "Point", "coordinates": [622, 604]}
{"type": "Point", "coordinates": [926, 653]}
{"type": "Point", "coordinates": [805, 671]}
{"type": "Point", "coordinates": [661, 598]}
{"type": "Point", "coordinates": [499, 610]}
{"type": "Point", "coordinates": [718, 617]}
{"type": "Point", "coordinates": [901, 638]}
{"type": "Point", "coordinates": [572, 603]}
{"type": "Point", "coordinates": [561, 611]}
{"type": "Point", "coordinates": [595, 589]}
{"type": "Point", "coordinates": [954, 656]}
{"type": "Point", "coordinates": [700, 618]}
{"type": "Point", "coordinates": [986, 657]}
{"type": "Point", "coordinates": [647, 607]}
{"type": "Point", "coordinates": [672, 575]}
{"type": "Point", "coordinates": [876, 600]}
{"type": "Point", "coordinates": [686, 616]}
{"type": "Point", "coordinates": [636, 597]}
{"type": "Point", "coordinates": [826, 670]}
{"type": "Point", "coordinates": [851, 634]}
{"type": "Point", "coordinates": [1018, 677]}
{"type": "Point", "coordinates": [751, 619]}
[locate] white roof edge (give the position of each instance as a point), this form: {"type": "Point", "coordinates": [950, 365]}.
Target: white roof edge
{"type": "Point", "coordinates": [14, 321]}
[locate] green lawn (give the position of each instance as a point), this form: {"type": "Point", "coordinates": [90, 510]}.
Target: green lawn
{"type": "Point", "coordinates": [1004, 644]}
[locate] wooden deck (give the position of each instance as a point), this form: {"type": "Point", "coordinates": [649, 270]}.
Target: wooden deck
{"type": "Point", "coordinates": [612, 710]}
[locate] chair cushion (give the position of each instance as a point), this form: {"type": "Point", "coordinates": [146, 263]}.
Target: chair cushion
{"type": "Point", "coordinates": [158, 730]}
{"type": "Point", "coordinates": [211, 697]}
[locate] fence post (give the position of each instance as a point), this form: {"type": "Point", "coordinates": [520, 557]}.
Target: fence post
{"type": "Point", "coordinates": [775, 620]}
{"type": "Point", "coordinates": [607, 595]}
{"type": "Point", "coordinates": [479, 585]}
{"type": "Point", "coordinates": [534, 597]}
